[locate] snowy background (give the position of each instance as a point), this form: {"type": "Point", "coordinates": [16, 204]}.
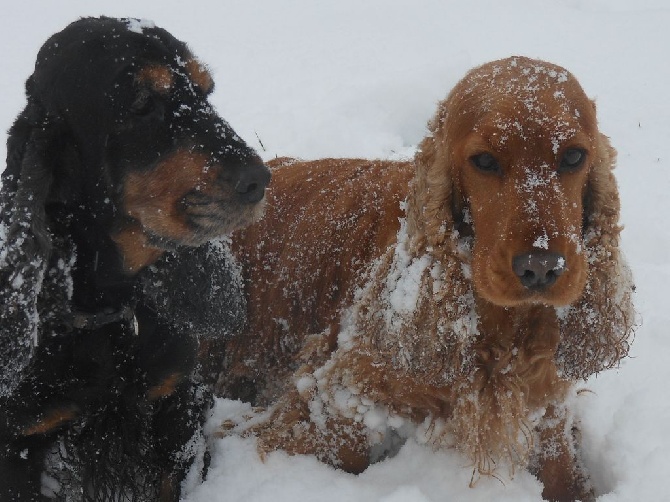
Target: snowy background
{"type": "Point", "coordinates": [313, 78]}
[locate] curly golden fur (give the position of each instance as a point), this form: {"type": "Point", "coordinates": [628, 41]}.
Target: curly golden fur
{"type": "Point", "coordinates": [464, 292]}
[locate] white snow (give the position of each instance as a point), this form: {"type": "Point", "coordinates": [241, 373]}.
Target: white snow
{"type": "Point", "coordinates": [542, 241]}
{"type": "Point", "coordinates": [351, 78]}
{"type": "Point", "coordinates": [404, 279]}
{"type": "Point", "coordinates": [139, 25]}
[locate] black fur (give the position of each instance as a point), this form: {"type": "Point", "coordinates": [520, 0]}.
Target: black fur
{"type": "Point", "coordinates": [98, 396]}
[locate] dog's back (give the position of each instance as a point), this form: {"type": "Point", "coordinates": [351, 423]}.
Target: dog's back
{"type": "Point", "coordinates": [326, 221]}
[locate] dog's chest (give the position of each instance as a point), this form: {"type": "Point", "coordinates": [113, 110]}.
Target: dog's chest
{"type": "Point", "coordinates": [518, 348]}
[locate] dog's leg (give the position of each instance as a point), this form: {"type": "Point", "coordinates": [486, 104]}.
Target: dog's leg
{"type": "Point", "coordinates": [335, 440]}
{"type": "Point", "coordinates": [557, 464]}
{"type": "Point", "coordinates": [20, 470]}
{"type": "Point", "coordinates": [166, 355]}
{"type": "Point", "coordinates": [31, 416]}
{"type": "Point", "coordinates": [179, 439]}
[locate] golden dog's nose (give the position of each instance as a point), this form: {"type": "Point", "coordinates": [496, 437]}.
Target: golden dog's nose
{"type": "Point", "coordinates": [539, 269]}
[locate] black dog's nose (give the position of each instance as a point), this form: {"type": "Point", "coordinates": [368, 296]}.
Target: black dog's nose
{"type": "Point", "coordinates": [538, 270]}
{"type": "Point", "coordinates": [252, 181]}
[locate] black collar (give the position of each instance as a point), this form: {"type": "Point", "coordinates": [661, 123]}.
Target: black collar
{"type": "Point", "coordinates": [91, 321]}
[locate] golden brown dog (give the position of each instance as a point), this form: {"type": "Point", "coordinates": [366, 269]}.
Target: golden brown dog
{"type": "Point", "coordinates": [464, 292]}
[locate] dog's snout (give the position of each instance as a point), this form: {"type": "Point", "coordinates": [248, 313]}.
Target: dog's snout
{"type": "Point", "coordinates": [252, 181]}
{"type": "Point", "coordinates": [538, 270]}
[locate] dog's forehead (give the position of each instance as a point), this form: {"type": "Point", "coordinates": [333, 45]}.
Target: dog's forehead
{"type": "Point", "coordinates": [525, 99]}
{"type": "Point", "coordinates": [101, 52]}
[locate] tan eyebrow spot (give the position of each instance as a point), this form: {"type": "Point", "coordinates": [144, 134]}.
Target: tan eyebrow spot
{"type": "Point", "coordinates": [159, 77]}
{"type": "Point", "coordinates": [199, 75]}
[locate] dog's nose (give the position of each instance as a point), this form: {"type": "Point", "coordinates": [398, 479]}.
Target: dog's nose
{"type": "Point", "coordinates": [252, 181]}
{"type": "Point", "coordinates": [538, 270]}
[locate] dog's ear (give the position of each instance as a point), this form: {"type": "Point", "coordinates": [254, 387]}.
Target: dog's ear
{"type": "Point", "coordinates": [601, 201]}
{"type": "Point", "coordinates": [596, 331]}
{"type": "Point", "coordinates": [444, 299]}
{"type": "Point", "coordinates": [430, 211]}
{"type": "Point", "coordinates": [27, 180]}
{"type": "Point", "coordinates": [25, 242]}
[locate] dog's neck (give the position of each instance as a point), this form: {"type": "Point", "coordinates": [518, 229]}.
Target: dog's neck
{"type": "Point", "coordinates": [100, 281]}
{"type": "Point", "coordinates": [516, 335]}
{"type": "Point", "coordinates": [135, 248]}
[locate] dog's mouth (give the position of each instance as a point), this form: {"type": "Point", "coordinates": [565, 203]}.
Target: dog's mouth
{"type": "Point", "coordinates": [214, 215]}
{"type": "Point", "coordinates": [194, 220]}
{"type": "Point", "coordinates": [187, 199]}
{"type": "Point", "coordinates": [197, 218]}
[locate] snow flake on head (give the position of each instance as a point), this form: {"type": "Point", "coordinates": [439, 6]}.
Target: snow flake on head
{"type": "Point", "coordinates": [536, 187]}
{"type": "Point", "coordinates": [536, 178]}
{"type": "Point", "coordinates": [139, 25]}
{"type": "Point", "coordinates": [542, 242]}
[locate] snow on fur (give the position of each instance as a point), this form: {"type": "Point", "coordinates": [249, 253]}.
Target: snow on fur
{"type": "Point", "coordinates": [371, 97]}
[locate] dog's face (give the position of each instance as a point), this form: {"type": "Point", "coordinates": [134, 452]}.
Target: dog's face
{"type": "Point", "coordinates": [184, 175]}
{"type": "Point", "coordinates": [523, 137]}
{"type": "Point", "coordinates": [136, 101]}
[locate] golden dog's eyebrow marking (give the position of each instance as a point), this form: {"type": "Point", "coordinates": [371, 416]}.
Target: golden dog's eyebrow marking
{"type": "Point", "coordinates": [199, 75]}
{"type": "Point", "coordinates": [159, 77]}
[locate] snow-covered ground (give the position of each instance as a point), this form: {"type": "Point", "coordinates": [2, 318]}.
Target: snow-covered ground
{"type": "Point", "coordinates": [313, 78]}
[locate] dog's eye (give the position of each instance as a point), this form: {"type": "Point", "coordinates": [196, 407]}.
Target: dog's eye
{"type": "Point", "coordinates": [143, 104]}
{"type": "Point", "coordinates": [485, 162]}
{"type": "Point", "coordinates": [572, 159]}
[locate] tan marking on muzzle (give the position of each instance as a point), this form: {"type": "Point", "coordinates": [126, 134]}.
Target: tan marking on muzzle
{"type": "Point", "coordinates": [153, 197]}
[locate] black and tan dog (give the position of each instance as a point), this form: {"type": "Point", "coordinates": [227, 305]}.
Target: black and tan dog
{"type": "Point", "coordinates": [119, 174]}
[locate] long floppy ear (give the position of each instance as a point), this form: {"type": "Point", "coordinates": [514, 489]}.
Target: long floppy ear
{"type": "Point", "coordinates": [25, 243]}
{"type": "Point", "coordinates": [27, 180]}
{"type": "Point", "coordinates": [430, 208]}
{"type": "Point", "coordinates": [427, 258]}
{"type": "Point", "coordinates": [601, 207]}
{"type": "Point", "coordinates": [597, 330]}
